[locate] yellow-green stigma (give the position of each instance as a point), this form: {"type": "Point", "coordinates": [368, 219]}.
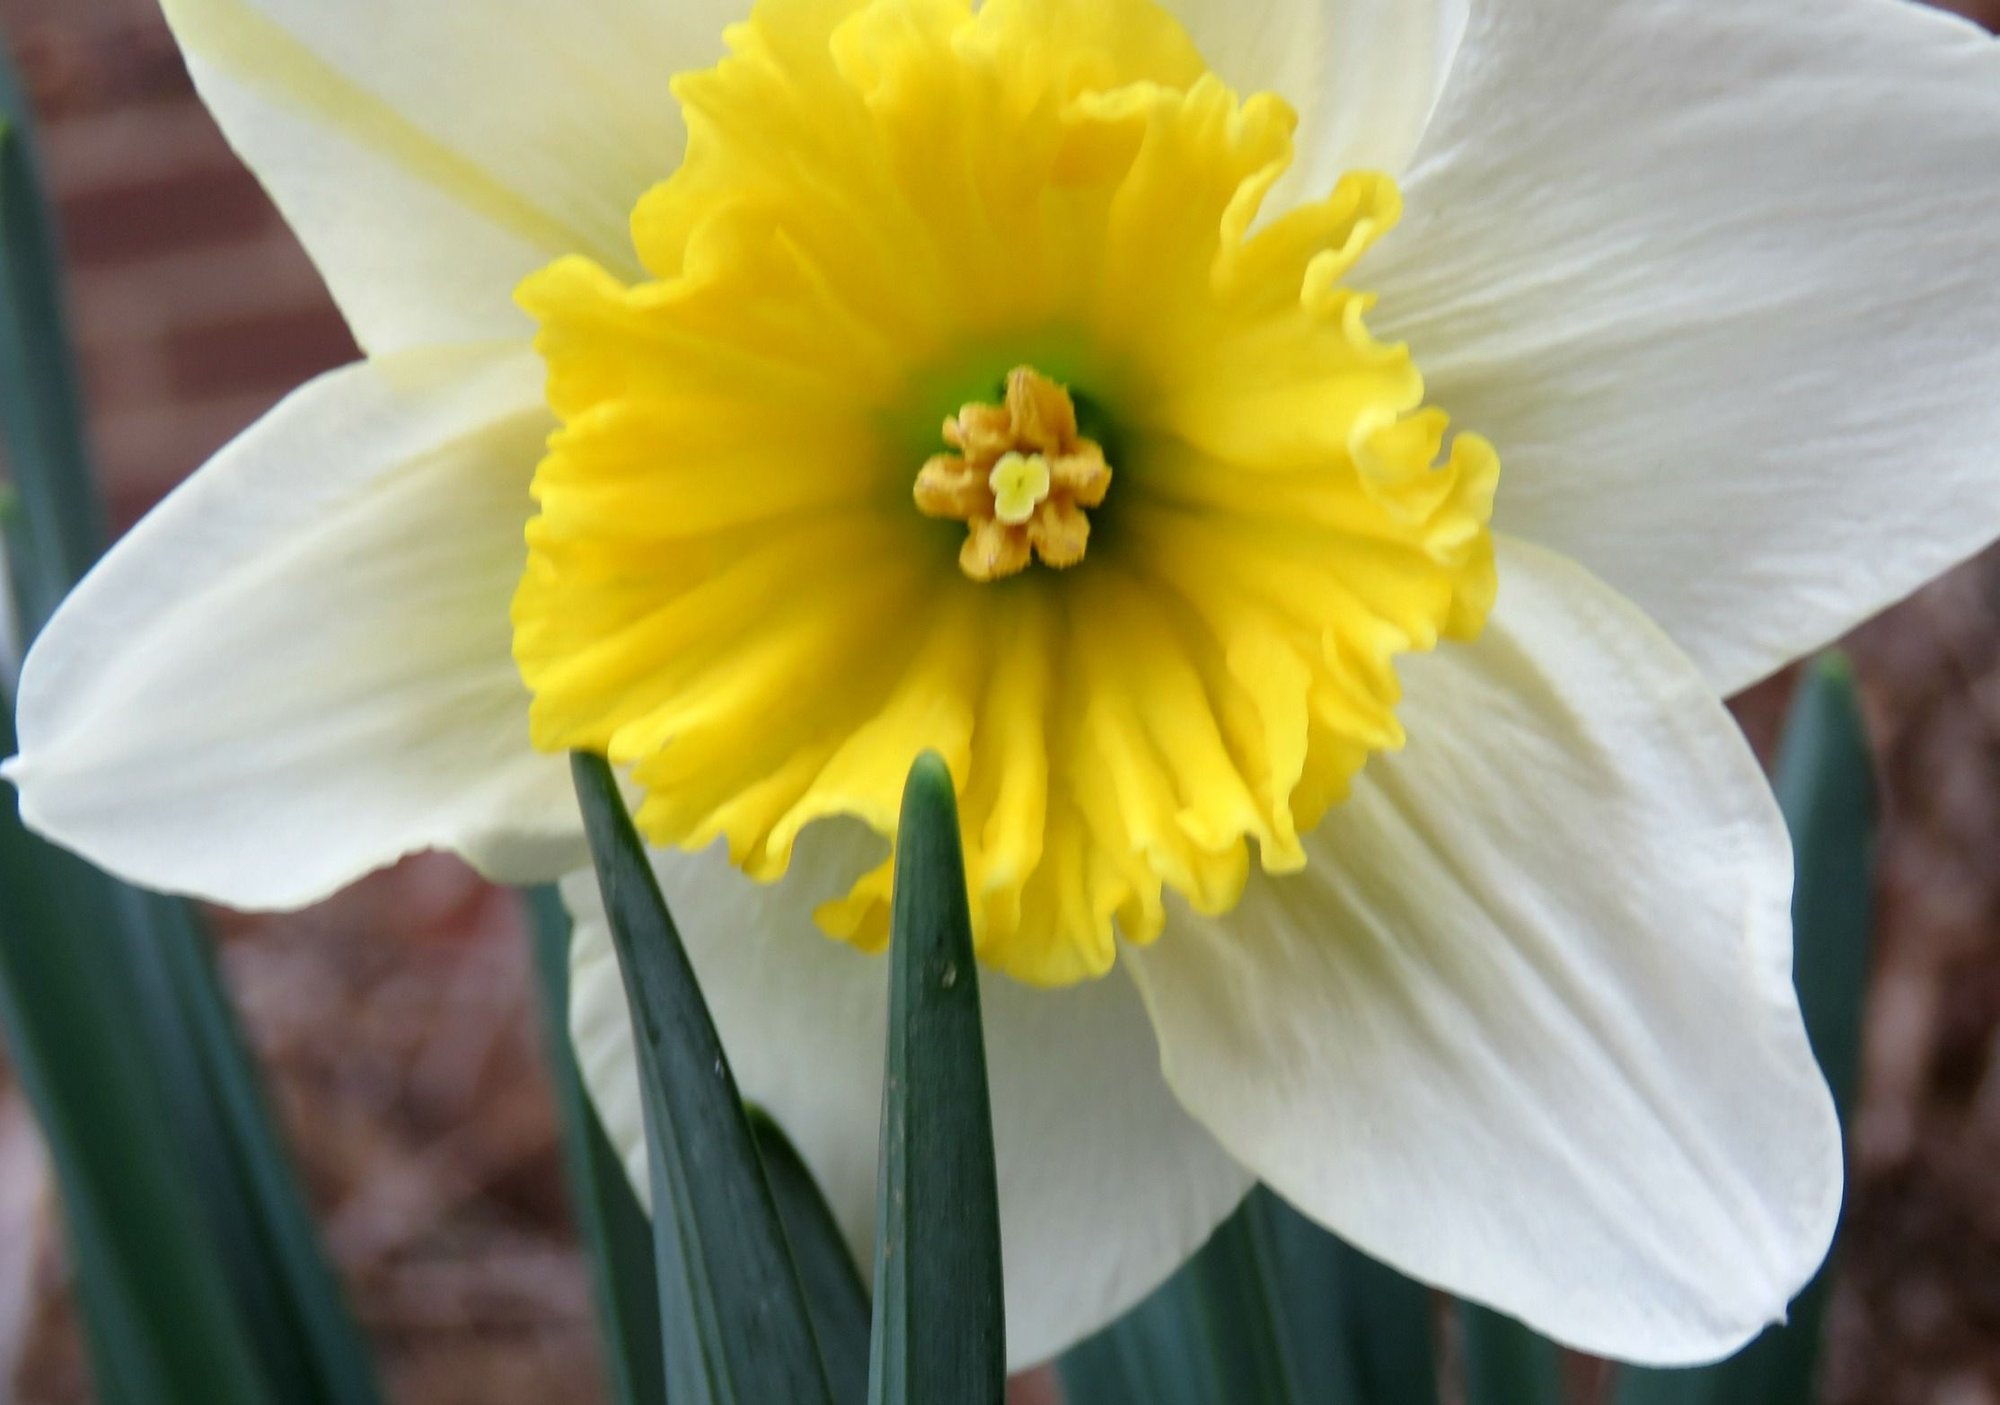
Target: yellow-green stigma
{"type": "Point", "coordinates": [1020, 480]}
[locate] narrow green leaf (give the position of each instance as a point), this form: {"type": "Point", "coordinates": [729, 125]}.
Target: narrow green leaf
{"type": "Point", "coordinates": [1507, 1363]}
{"type": "Point", "coordinates": [139, 960]}
{"type": "Point", "coordinates": [1272, 1311]}
{"type": "Point", "coordinates": [1213, 1334]}
{"type": "Point", "coordinates": [939, 1334]}
{"type": "Point", "coordinates": [835, 1293]}
{"type": "Point", "coordinates": [41, 426]}
{"type": "Point", "coordinates": [313, 1350]}
{"type": "Point", "coordinates": [609, 1218]}
{"type": "Point", "coordinates": [1239, 1278]}
{"type": "Point", "coordinates": [159, 1306]}
{"type": "Point", "coordinates": [1160, 1353]}
{"type": "Point", "coordinates": [1826, 785]}
{"type": "Point", "coordinates": [1359, 1331]}
{"type": "Point", "coordinates": [113, 1337]}
{"type": "Point", "coordinates": [733, 1316]}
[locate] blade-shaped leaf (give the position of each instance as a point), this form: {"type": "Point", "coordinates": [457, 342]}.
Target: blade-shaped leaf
{"type": "Point", "coordinates": [1826, 784]}
{"type": "Point", "coordinates": [733, 1317]}
{"type": "Point", "coordinates": [1507, 1363]}
{"type": "Point", "coordinates": [1359, 1330]}
{"type": "Point", "coordinates": [1272, 1311]}
{"type": "Point", "coordinates": [1239, 1281]}
{"type": "Point", "coordinates": [60, 527]}
{"type": "Point", "coordinates": [835, 1293]}
{"type": "Point", "coordinates": [138, 961]}
{"type": "Point", "coordinates": [160, 1310]}
{"type": "Point", "coordinates": [145, 968]}
{"type": "Point", "coordinates": [1160, 1353]}
{"type": "Point", "coordinates": [609, 1218]}
{"type": "Point", "coordinates": [939, 1333]}
{"type": "Point", "coordinates": [1213, 1334]}
{"type": "Point", "coordinates": [283, 1281]}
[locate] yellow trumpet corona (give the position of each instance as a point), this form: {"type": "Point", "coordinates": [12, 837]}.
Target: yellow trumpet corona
{"type": "Point", "coordinates": [1040, 223]}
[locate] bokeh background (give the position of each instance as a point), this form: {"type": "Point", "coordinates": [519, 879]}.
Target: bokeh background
{"type": "Point", "coordinates": [399, 1022]}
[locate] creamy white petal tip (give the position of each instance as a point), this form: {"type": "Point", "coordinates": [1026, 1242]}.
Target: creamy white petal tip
{"type": "Point", "coordinates": [1526, 1028]}
{"type": "Point", "coordinates": [297, 668]}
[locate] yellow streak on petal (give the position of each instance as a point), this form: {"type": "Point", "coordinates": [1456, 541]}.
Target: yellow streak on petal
{"type": "Point", "coordinates": [261, 54]}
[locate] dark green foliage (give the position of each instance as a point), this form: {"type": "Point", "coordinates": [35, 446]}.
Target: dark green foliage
{"type": "Point", "coordinates": [200, 1275]}
{"type": "Point", "coordinates": [938, 1329]}
{"type": "Point", "coordinates": [733, 1317]}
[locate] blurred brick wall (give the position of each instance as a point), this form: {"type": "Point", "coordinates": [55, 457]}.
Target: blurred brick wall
{"type": "Point", "coordinates": [194, 307]}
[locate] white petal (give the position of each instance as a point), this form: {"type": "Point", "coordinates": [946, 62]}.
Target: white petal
{"type": "Point", "coordinates": [1525, 1028]}
{"type": "Point", "coordinates": [1719, 284]}
{"type": "Point", "coordinates": [433, 152]}
{"type": "Point", "coordinates": [1106, 1185]}
{"type": "Point", "coordinates": [297, 668]}
{"type": "Point", "coordinates": [1363, 75]}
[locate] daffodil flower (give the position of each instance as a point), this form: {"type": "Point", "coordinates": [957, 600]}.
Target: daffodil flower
{"type": "Point", "coordinates": [1312, 468]}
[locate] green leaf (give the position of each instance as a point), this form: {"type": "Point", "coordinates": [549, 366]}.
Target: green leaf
{"type": "Point", "coordinates": [1239, 1282]}
{"type": "Point", "coordinates": [733, 1316]}
{"type": "Point", "coordinates": [1160, 1353]}
{"type": "Point", "coordinates": [609, 1219]}
{"type": "Point", "coordinates": [1358, 1330]}
{"type": "Point", "coordinates": [1216, 1333]}
{"type": "Point", "coordinates": [283, 1282]}
{"type": "Point", "coordinates": [133, 969]}
{"type": "Point", "coordinates": [1505, 1362]}
{"type": "Point", "coordinates": [1826, 785]}
{"type": "Point", "coordinates": [1272, 1311]}
{"type": "Point", "coordinates": [144, 964]}
{"type": "Point", "coordinates": [835, 1293]}
{"type": "Point", "coordinates": [939, 1333]}
{"type": "Point", "coordinates": [59, 526]}
{"type": "Point", "coordinates": [160, 1311]}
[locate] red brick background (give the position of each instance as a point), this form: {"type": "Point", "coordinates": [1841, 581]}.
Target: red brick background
{"type": "Point", "coordinates": [398, 1020]}
{"type": "Point", "coordinates": [194, 307]}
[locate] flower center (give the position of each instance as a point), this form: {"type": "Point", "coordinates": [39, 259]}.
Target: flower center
{"type": "Point", "coordinates": [1019, 482]}
{"type": "Point", "coordinates": [886, 207]}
